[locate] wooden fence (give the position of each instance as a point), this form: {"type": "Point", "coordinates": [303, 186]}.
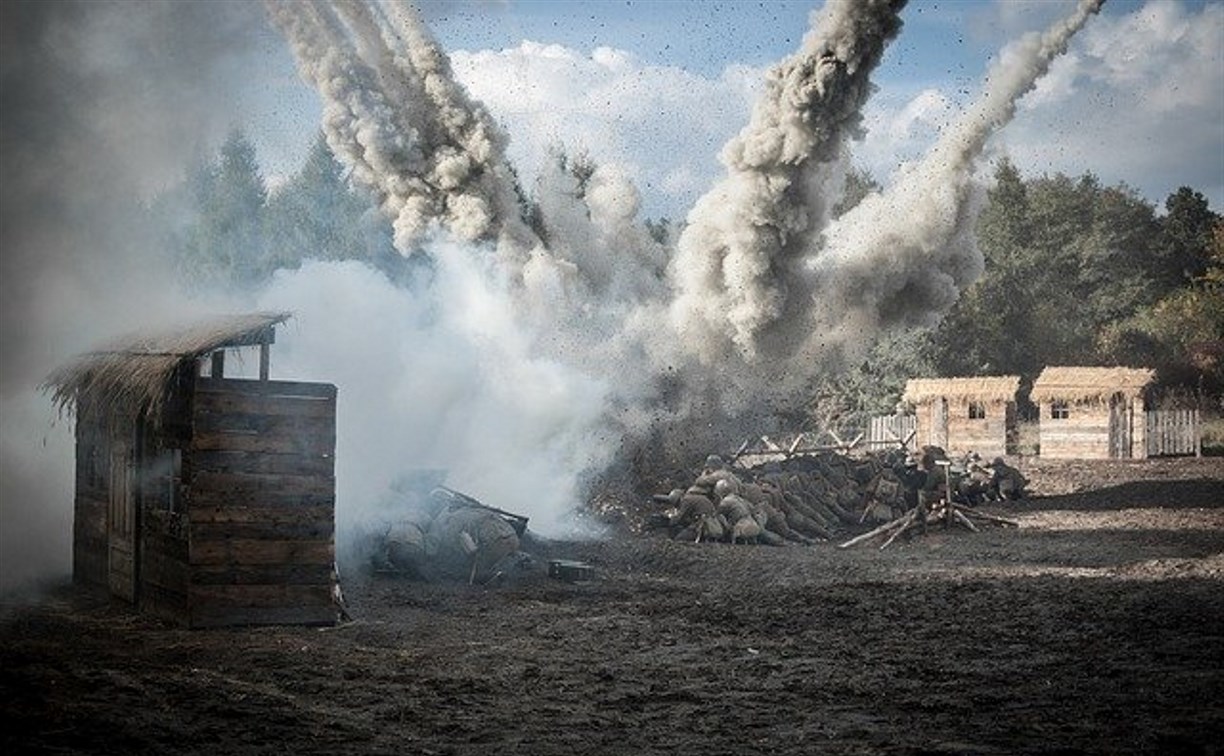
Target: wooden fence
{"type": "Point", "coordinates": [885, 432]}
{"type": "Point", "coordinates": [890, 431]}
{"type": "Point", "coordinates": [1174, 432]}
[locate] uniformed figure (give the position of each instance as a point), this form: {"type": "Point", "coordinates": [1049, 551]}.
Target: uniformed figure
{"type": "Point", "coordinates": [1008, 482]}
{"type": "Point", "coordinates": [976, 485]}
{"type": "Point", "coordinates": [914, 479]}
{"type": "Point", "coordinates": [468, 541]}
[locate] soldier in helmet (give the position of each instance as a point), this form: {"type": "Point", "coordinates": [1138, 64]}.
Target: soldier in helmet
{"type": "Point", "coordinates": [466, 540]}
{"type": "Point", "coordinates": [1007, 482]}
{"type": "Point", "coordinates": [919, 483]}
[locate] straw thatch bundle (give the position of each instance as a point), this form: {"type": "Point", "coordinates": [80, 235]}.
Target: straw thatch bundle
{"type": "Point", "coordinates": [980, 389]}
{"type": "Point", "coordinates": [1090, 384]}
{"type": "Point", "coordinates": [134, 373]}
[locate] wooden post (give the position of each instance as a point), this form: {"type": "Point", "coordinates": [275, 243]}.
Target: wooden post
{"type": "Point", "coordinates": [265, 352]}
{"type": "Point", "coordinates": [218, 364]}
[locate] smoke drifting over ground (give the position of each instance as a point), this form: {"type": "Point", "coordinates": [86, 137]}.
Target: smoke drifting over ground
{"type": "Point", "coordinates": [537, 347]}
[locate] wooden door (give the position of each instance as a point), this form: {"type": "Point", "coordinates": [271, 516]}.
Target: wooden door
{"type": "Point", "coordinates": [121, 525]}
{"type": "Point", "coordinates": [939, 423]}
{"type": "Point", "coordinates": [1119, 427]}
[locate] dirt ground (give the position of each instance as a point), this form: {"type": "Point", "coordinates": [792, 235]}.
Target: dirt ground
{"type": "Point", "coordinates": [1095, 627]}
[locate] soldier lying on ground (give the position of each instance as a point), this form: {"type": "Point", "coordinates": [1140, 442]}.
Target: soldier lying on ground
{"type": "Point", "coordinates": [448, 536]}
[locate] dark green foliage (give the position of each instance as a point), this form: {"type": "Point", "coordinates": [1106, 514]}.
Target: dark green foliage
{"type": "Point", "coordinates": [849, 397]}
{"type": "Point", "coordinates": [1186, 236]}
{"type": "Point", "coordinates": [225, 245]}
{"type": "Point", "coordinates": [227, 231]}
{"type": "Point", "coordinates": [315, 215]}
{"type": "Point", "coordinates": [1080, 274]}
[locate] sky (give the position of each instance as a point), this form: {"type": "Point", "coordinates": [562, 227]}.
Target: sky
{"type": "Point", "coordinates": [658, 87]}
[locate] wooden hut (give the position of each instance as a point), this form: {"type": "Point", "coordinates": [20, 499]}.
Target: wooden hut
{"type": "Point", "coordinates": [204, 499]}
{"type": "Point", "coordinates": [965, 414]}
{"type": "Point", "coordinates": [1092, 412]}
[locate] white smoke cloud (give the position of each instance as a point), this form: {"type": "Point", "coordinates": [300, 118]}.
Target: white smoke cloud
{"type": "Point", "coordinates": [440, 377]}
{"type": "Point", "coordinates": [1134, 75]}
{"type": "Point", "coordinates": [902, 257]}
{"type": "Point", "coordinates": [733, 271]}
{"type": "Point", "coordinates": [653, 120]}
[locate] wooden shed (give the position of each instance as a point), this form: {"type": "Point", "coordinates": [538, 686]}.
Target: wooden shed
{"type": "Point", "coordinates": [204, 499]}
{"type": "Point", "coordinates": [965, 414]}
{"type": "Point", "coordinates": [1092, 412]}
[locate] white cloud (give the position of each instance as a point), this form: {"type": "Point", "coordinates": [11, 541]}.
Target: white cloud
{"type": "Point", "coordinates": [1138, 99]}
{"type": "Point", "coordinates": [666, 124]}
{"type": "Point", "coordinates": [899, 130]}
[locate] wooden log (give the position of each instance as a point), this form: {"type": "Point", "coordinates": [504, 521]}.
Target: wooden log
{"type": "Point", "coordinates": [288, 511]}
{"type": "Point", "coordinates": [739, 452]}
{"type": "Point", "coordinates": [263, 424]}
{"type": "Point", "coordinates": [886, 527]}
{"type": "Point", "coordinates": [270, 574]}
{"type": "Point", "coordinates": [304, 530]}
{"type": "Point", "coordinates": [963, 520]}
{"type": "Point", "coordinates": [260, 595]}
{"type": "Point", "coordinates": [307, 444]}
{"type": "Point", "coordinates": [262, 404]}
{"type": "Point", "coordinates": [264, 360]}
{"type": "Point", "coordinates": [989, 517]}
{"type": "Point", "coordinates": [908, 523]}
{"type": "Point", "coordinates": [299, 389]}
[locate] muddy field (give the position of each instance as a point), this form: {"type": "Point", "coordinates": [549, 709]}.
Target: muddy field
{"type": "Point", "coordinates": [1096, 627]}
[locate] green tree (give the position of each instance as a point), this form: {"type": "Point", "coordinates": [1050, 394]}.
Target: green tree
{"type": "Point", "coordinates": [225, 246]}
{"type": "Point", "coordinates": [1183, 333]}
{"type": "Point", "coordinates": [1065, 259]}
{"type": "Point", "coordinates": [315, 215]}
{"type": "Point", "coordinates": [990, 330]}
{"type": "Point", "coordinates": [1187, 237]}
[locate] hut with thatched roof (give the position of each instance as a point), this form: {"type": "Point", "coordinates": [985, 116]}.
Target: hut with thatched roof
{"type": "Point", "coordinates": [965, 414]}
{"type": "Point", "coordinates": [1092, 412]}
{"type": "Point", "coordinates": [203, 498]}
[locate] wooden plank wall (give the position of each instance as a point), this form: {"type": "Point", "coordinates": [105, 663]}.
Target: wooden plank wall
{"type": "Point", "coordinates": [1083, 435]}
{"type": "Point", "coordinates": [164, 574]}
{"type": "Point", "coordinates": [89, 542]}
{"type": "Point", "coordinates": [1174, 432]}
{"type": "Point", "coordinates": [986, 436]}
{"type": "Point", "coordinates": [260, 472]}
{"type": "Point", "coordinates": [89, 546]}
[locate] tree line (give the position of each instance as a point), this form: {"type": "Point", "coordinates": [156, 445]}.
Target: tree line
{"type": "Point", "coordinates": [1076, 273]}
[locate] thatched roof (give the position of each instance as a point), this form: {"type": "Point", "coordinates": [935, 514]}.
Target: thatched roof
{"type": "Point", "coordinates": [980, 389]}
{"type": "Point", "coordinates": [135, 372]}
{"type": "Point", "coordinates": [1082, 384]}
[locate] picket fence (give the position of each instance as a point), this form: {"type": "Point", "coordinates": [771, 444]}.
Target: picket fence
{"type": "Point", "coordinates": [1174, 432]}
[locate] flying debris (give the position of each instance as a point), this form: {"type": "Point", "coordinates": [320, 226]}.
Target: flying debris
{"type": "Point", "coordinates": [763, 289]}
